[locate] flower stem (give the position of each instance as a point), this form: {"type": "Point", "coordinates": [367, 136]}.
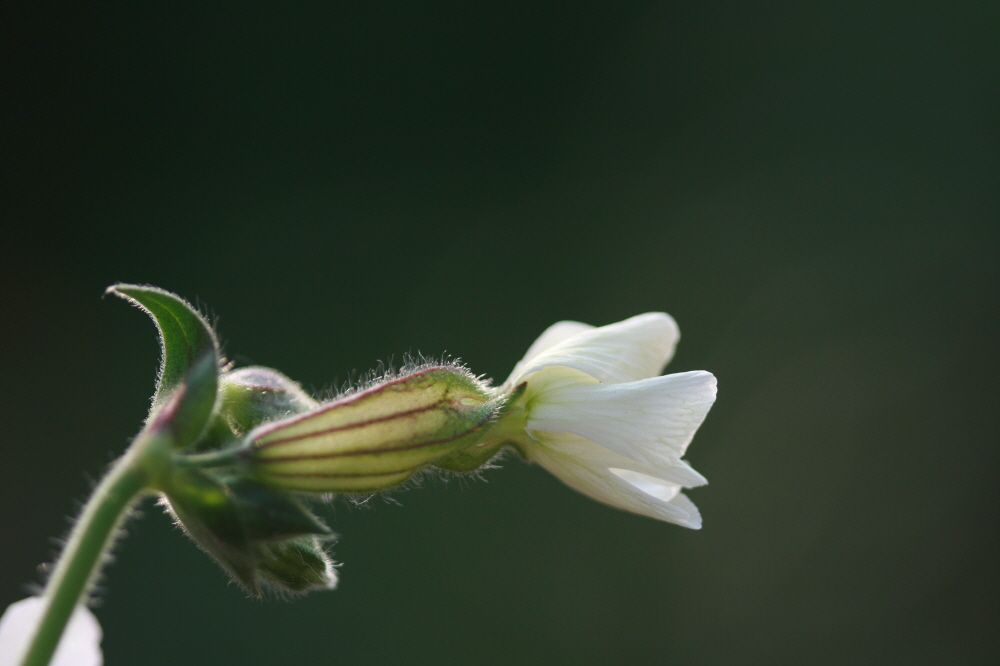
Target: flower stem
{"type": "Point", "coordinates": [211, 458]}
{"type": "Point", "coordinates": [89, 542]}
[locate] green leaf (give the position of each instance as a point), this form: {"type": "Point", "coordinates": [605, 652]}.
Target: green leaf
{"type": "Point", "coordinates": [190, 359]}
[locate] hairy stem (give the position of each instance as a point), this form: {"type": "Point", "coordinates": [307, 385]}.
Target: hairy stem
{"type": "Point", "coordinates": [90, 540]}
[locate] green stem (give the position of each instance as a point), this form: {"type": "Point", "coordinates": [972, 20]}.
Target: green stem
{"type": "Point", "coordinates": [210, 458]}
{"type": "Point", "coordinates": [90, 540]}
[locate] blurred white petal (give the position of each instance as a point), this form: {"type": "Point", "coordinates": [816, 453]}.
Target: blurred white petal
{"type": "Point", "coordinates": [651, 421]}
{"type": "Point", "coordinates": [80, 644]}
{"type": "Point", "coordinates": [594, 471]}
{"type": "Point", "coordinates": [633, 349]}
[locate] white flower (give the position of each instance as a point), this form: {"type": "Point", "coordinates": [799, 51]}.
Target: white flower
{"type": "Point", "coordinates": [597, 414]}
{"type": "Point", "coordinates": [80, 644]}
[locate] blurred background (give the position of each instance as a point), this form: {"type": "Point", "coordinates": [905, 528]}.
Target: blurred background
{"type": "Point", "coordinates": [811, 190]}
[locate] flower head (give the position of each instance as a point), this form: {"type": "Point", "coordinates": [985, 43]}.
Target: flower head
{"type": "Point", "coordinates": [596, 413]}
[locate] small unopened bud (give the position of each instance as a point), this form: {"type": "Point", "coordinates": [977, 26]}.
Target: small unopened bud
{"type": "Point", "coordinates": [255, 395]}
{"type": "Point", "coordinates": [376, 438]}
{"type": "Point", "coordinates": [259, 535]}
{"type": "Point", "coordinates": [297, 565]}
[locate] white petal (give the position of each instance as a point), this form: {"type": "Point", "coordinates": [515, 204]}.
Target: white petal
{"type": "Point", "coordinates": [650, 421]}
{"type": "Point", "coordinates": [80, 644]}
{"type": "Point", "coordinates": [650, 485]}
{"type": "Point", "coordinates": [598, 476]}
{"type": "Point", "coordinates": [633, 349]}
{"type": "Point", "coordinates": [595, 456]}
{"type": "Point", "coordinates": [552, 336]}
{"type": "Point", "coordinates": [682, 502]}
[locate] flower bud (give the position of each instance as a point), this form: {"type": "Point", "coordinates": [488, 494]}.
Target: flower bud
{"type": "Point", "coordinates": [259, 535]}
{"type": "Point", "coordinates": [376, 438]}
{"type": "Point", "coordinates": [252, 396]}
{"type": "Point", "coordinates": [297, 565]}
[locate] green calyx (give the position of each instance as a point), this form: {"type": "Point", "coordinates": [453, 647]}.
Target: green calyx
{"type": "Point", "coordinates": [504, 429]}
{"type": "Point", "coordinates": [379, 437]}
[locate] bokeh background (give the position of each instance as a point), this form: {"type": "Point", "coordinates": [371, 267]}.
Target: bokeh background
{"type": "Point", "coordinates": [811, 189]}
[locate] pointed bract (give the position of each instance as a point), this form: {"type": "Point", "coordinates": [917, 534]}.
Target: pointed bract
{"type": "Point", "coordinates": [190, 359]}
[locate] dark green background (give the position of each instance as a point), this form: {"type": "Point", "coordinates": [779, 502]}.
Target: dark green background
{"type": "Point", "coordinates": [810, 189]}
